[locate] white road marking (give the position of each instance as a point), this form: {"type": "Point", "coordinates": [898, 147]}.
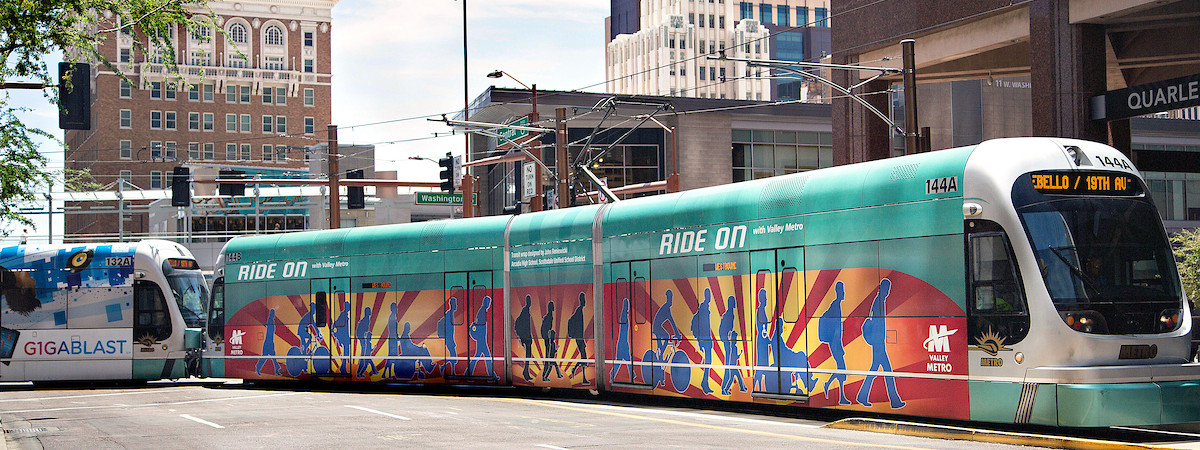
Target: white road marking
{"type": "Point", "coordinates": [121, 405]}
{"type": "Point", "coordinates": [635, 410]}
{"type": "Point", "coordinates": [551, 447]}
{"type": "Point", "coordinates": [199, 420]}
{"type": "Point", "coordinates": [1146, 430]}
{"type": "Point", "coordinates": [40, 399]}
{"type": "Point", "coordinates": [378, 412]}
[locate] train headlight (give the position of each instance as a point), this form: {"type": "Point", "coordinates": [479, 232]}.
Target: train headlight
{"type": "Point", "coordinates": [1168, 320]}
{"type": "Point", "coordinates": [1087, 321]}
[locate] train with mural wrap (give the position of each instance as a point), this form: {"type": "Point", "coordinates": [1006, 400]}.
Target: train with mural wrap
{"type": "Point", "coordinates": [1020, 280]}
{"type": "Point", "coordinates": [100, 312]}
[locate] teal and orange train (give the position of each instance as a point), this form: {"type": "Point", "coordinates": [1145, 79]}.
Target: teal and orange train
{"type": "Point", "coordinates": [1020, 280]}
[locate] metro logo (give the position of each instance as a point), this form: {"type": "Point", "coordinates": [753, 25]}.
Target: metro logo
{"type": "Point", "coordinates": [939, 339]}
{"type": "Point", "coordinates": [236, 339]}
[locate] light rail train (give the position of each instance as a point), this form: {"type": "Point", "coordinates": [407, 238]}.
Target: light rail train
{"type": "Point", "coordinates": [1019, 280]}
{"type": "Point", "coordinates": [120, 311]}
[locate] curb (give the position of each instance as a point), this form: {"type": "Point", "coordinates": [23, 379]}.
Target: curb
{"type": "Point", "coordinates": [969, 434]}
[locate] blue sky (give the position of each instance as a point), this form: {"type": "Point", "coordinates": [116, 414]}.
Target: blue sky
{"type": "Point", "coordinates": [403, 59]}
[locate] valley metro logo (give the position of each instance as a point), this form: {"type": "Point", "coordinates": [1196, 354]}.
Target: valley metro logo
{"type": "Point", "coordinates": [939, 339]}
{"type": "Point", "coordinates": [236, 339]}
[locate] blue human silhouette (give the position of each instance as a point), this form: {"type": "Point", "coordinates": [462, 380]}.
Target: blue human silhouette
{"type": "Point", "coordinates": [479, 334]}
{"type": "Point", "coordinates": [803, 380]}
{"type": "Point", "coordinates": [764, 346]}
{"type": "Point", "coordinates": [576, 329]}
{"type": "Point", "coordinates": [623, 352]}
{"type": "Point", "coordinates": [306, 327]}
{"type": "Point", "coordinates": [523, 326]}
{"type": "Point", "coordinates": [268, 347]}
{"type": "Point", "coordinates": [363, 332]}
{"type": "Point", "coordinates": [731, 361]}
{"type": "Point", "coordinates": [829, 331]}
{"type": "Point", "coordinates": [341, 333]}
{"type": "Point", "coordinates": [874, 332]}
{"type": "Point", "coordinates": [662, 335]}
{"type": "Point", "coordinates": [445, 330]}
{"type": "Point", "coordinates": [416, 362]}
{"type": "Point", "coordinates": [393, 343]}
{"type": "Point", "coordinates": [702, 331]}
{"type": "Point", "coordinates": [550, 343]}
{"type": "Point", "coordinates": [729, 338]}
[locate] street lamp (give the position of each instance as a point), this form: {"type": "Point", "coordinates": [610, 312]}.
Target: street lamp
{"type": "Point", "coordinates": [536, 204]}
{"type": "Point", "coordinates": [421, 158]}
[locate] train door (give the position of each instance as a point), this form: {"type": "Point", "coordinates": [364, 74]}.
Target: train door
{"type": "Point", "coordinates": [456, 303]}
{"type": "Point", "coordinates": [326, 337]}
{"type": "Point", "coordinates": [479, 301]}
{"type": "Point", "coordinates": [790, 294]}
{"type": "Point", "coordinates": [640, 334]}
{"type": "Point", "coordinates": [766, 314]}
{"type": "Point", "coordinates": [619, 302]}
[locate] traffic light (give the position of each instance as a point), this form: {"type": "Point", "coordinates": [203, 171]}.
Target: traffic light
{"type": "Point", "coordinates": [236, 190]}
{"type": "Point", "coordinates": [355, 195]}
{"type": "Point", "coordinates": [181, 192]}
{"type": "Point", "coordinates": [75, 102]}
{"type": "Point", "coordinates": [447, 174]}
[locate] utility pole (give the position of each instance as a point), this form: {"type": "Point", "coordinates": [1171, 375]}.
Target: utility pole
{"type": "Point", "coordinates": [335, 201]}
{"type": "Point", "coordinates": [536, 202]}
{"type": "Point", "coordinates": [560, 145]}
{"type": "Point", "coordinates": [911, 144]}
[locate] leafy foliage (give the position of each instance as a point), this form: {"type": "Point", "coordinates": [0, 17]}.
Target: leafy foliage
{"type": "Point", "coordinates": [1187, 253]}
{"type": "Point", "coordinates": [32, 29]}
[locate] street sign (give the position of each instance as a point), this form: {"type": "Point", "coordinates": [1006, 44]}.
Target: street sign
{"type": "Point", "coordinates": [439, 198]}
{"type": "Point", "coordinates": [512, 134]}
{"type": "Point", "coordinates": [529, 179]}
{"type": "Point", "coordinates": [458, 173]}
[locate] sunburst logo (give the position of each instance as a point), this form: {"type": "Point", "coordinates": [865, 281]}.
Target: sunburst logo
{"type": "Point", "coordinates": [147, 340]}
{"type": "Point", "coordinates": [990, 342]}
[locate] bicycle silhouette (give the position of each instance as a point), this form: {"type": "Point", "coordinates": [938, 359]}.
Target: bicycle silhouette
{"type": "Point", "coordinates": [680, 365]}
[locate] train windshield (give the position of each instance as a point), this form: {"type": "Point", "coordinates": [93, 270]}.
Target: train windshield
{"type": "Point", "coordinates": [190, 292]}
{"type": "Point", "coordinates": [1105, 261]}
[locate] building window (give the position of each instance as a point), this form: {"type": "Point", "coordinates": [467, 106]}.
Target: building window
{"type": "Point", "coordinates": [231, 123]}
{"type": "Point", "coordinates": [766, 153]}
{"type": "Point", "coordinates": [821, 15]}
{"type": "Point", "coordinates": [193, 121]}
{"type": "Point", "coordinates": [126, 89]}
{"type": "Point", "coordinates": [208, 121]}
{"type": "Point", "coordinates": [246, 152]}
{"type": "Point", "coordinates": [230, 94]}
{"type": "Point", "coordinates": [155, 150]}
{"type": "Point", "coordinates": [273, 62]}
{"type": "Point", "coordinates": [308, 39]}
{"type": "Point", "coordinates": [209, 151]}
{"type": "Point", "coordinates": [691, 18]}
{"type": "Point", "coordinates": [193, 93]}
{"type": "Point", "coordinates": [193, 151]}
{"type": "Point", "coordinates": [747, 10]}
{"type": "Point", "coordinates": [268, 95]}
{"type": "Point", "coordinates": [169, 120]}
{"type": "Point", "coordinates": [310, 97]}
{"type": "Point", "coordinates": [711, 19]}
{"type": "Point", "coordinates": [267, 123]}
{"type": "Point", "coordinates": [310, 125]}
{"type": "Point", "coordinates": [802, 16]}
{"type": "Point", "coordinates": [281, 153]}
{"type": "Point", "coordinates": [268, 152]}
{"type": "Point", "coordinates": [764, 13]}
{"type": "Point", "coordinates": [230, 152]}
{"type": "Point", "coordinates": [782, 16]}
{"type": "Point", "coordinates": [281, 124]}
{"type": "Point", "coordinates": [308, 66]}
{"type": "Point", "coordinates": [126, 175]}
{"type": "Point", "coordinates": [702, 74]}
{"type": "Point", "coordinates": [245, 123]}
{"type": "Point", "coordinates": [280, 96]}
{"type": "Point", "coordinates": [156, 89]}
{"type": "Point", "coordinates": [274, 36]}
{"type": "Point", "coordinates": [126, 149]}
{"type": "Point", "coordinates": [245, 97]}
{"type": "Point", "coordinates": [237, 33]}
{"type": "Point", "coordinates": [169, 149]}
{"type": "Point", "coordinates": [169, 91]}
{"type": "Point", "coordinates": [155, 120]}
{"type": "Point", "coordinates": [702, 21]}
{"type": "Point", "coordinates": [208, 92]}
{"type": "Point", "coordinates": [126, 55]}
{"type": "Point", "coordinates": [721, 22]}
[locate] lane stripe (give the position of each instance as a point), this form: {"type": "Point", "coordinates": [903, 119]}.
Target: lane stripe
{"type": "Point", "coordinates": [199, 420]}
{"type": "Point", "coordinates": [703, 416]}
{"type": "Point", "coordinates": [148, 405]}
{"type": "Point", "coordinates": [377, 412]}
{"type": "Point", "coordinates": [830, 442]}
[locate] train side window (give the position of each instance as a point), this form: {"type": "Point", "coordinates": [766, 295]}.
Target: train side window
{"type": "Point", "coordinates": [216, 311]}
{"type": "Point", "coordinates": [321, 315]}
{"type": "Point", "coordinates": [640, 307]}
{"type": "Point", "coordinates": [622, 296]}
{"type": "Point", "coordinates": [767, 316]}
{"type": "Point", "coordinates": [793, 281]}
{"type": "Point", "coordinates": [995, 297]}
{"type": "Point", "coordinates": [150, 308]}
{"type": "Point", "coordinates": [460, 303]}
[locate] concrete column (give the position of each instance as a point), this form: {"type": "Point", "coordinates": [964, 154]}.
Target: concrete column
{"type": "Point", "coordinates": [858, 135]}
{"type": "Point", "coordinates": [1067, 68]}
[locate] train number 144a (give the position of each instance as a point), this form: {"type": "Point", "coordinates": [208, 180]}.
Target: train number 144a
{"type": "Point", "coordinates": [941, 185]}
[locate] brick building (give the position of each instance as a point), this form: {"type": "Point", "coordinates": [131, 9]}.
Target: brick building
{"type": "Point", "coordinates": [254, 94]}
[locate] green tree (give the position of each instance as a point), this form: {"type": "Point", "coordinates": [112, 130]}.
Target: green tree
{"type": "Point", "coordinates": [32, 29]}
{"type": "Point", "coordinates": [1187, 252]}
